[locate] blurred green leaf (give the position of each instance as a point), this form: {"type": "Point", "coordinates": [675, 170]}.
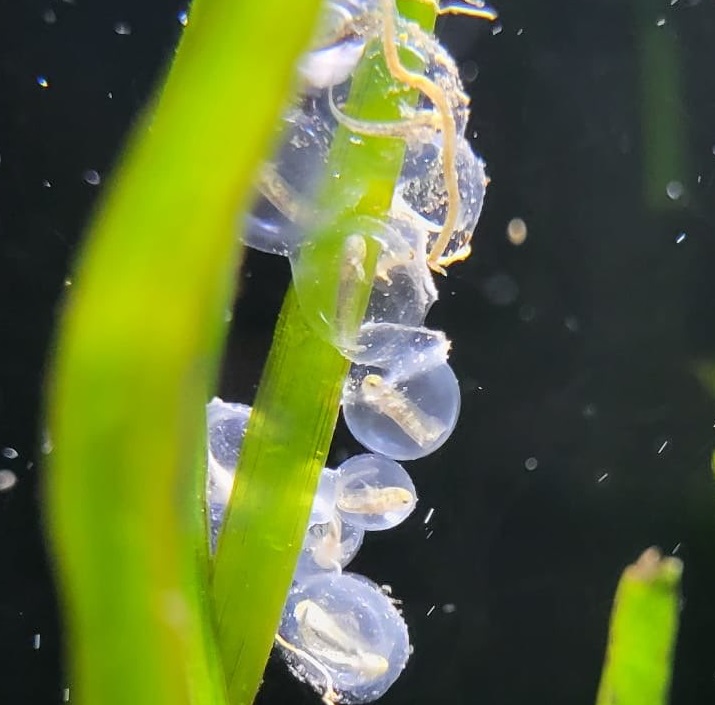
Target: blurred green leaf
{"type": "Point", "coordinates": [644, 626]}
{"type": "Point", "coordinates": [137, 352]}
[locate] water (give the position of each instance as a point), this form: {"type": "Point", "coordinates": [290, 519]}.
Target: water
{"type": "Point", "coordinates": [519, 565]}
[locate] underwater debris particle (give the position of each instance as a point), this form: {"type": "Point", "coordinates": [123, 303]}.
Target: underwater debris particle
{"type": "Point", "coordinates": [429, 515]}
{"type": "Point", "coordinates": [663, 446]}
{"type": "Point", "coordinates": [8, 480]}
{"type": "Point", "coordinates": [531, 464]}
{"type": "Point", "coordinates": [42, 82]}
{"type": "Point", "coordinates": [10, 453]}
{"type": "Point", "coordinates": [66, 695]}
{"type": "Point", "coordinates": [674, 190]}
{"type": "Point", "coordinates": [36, 640]}
{"type": "Point", "coordinates": [91, 177]}
{"type": "Point", "coordinates": [122, 28]}
{"type": "Point", "coordinates": [660, 22]}
{"type": "Point", "coordinates": [431, 609]}
{"type": "Point", "coordinates": [680, 238]}
{"type": "Point", "coordinates": [183, 17]}
{"type": "Point", "coordinates": [49, 16]}
{"type": "Point", "coordinates": [449, 608]}
{"type": "Point", "coordinates": [602, 478]}
{"type": "Point", "coordinates": [516, 231]}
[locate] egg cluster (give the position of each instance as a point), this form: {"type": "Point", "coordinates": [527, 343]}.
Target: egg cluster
{"type": "Point", "coordinates": [340, 632]}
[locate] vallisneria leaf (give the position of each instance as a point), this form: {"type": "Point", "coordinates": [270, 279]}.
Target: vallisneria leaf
{"type": "Point", "coordinates": [137, 353]}
{"type": "Point", "coordinates": [644, 626]}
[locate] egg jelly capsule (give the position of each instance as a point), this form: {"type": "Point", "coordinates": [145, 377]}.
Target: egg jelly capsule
{"type": "Point", "coordinates": [226, 427]}
{"type": "Point", "coordinates": [343, 31]}
{"type": "Point", "coordinates": [401, 419]}
{"type": "Point", "coordinates": [406, 349]}
{"type": "Point", "coordinates": [374, 492]}
{"type": "Point", "coordinates": [325, 497]}
{"type": "Point", "coordinates": [403, 289]}
{"type": "Point", "coordinates": [286, 184]}
{"type": "Point", "coordinates": [330, 276]}
{"type": "Point", "coordinates": [328, 547]}
{"type": "Point", "coordinates": [421, 196]}
{"type": "Point", "coordinates": [341, 634]}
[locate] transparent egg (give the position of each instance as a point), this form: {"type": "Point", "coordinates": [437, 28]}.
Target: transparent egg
{"type": "Point", "coordinates": [421, 195]}
{"type": "Point", "coordinates": [374, 492]}
{"type": "Point", "coordinates": [341, 634]}
{"type": "Point", "coordinates": [287, 183]}
{"type": "Point", "coordinates": [405, 349]}
{"type": "Point", "coordinates": [403, 289]}
{"type": "Point", "coordinates": [328, 547]}
{"type": "Point", "coordinates": [331, 273]}
{"type": "Point", "coordinates": [401, 418]}
{"type": "Point", "coordinates": [226, 426]}
{"type": "Point", "coordinates": [325, 497]}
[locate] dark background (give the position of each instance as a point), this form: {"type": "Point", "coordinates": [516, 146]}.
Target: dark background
{"type": "Point", "coordinates": [575, 349]}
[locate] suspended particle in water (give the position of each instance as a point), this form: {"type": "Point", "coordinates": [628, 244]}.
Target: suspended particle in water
{"type": "Point", "coordinates": [674, 190]}
{"type": "Point", "coordinates": [42, 81]}
{"type": "Point", "coordinates": [49, 16]}
{"type": "Point", "coordinates": [8, 480]}
{"type": "Point", "coordinates": [449, 608]}
{"type": "Point", "coordinates": [122, 28]}
{"type": "Point", "coordinates": [36, 640]}
{"type": "Point", "coordinates": [469, 71]}
{"type": "Point", "coordinates": [531, 464]}
{"type": "Point", "coordinates": [10, 453]}
{"type": "Point", "coordinates": [660, 22]}
{"type": "Point", "coordinates": [46, 184]}
{"type": "Point", "coordinates": [680, 238]}
{"type": "Point", "coordinates": [516, 231]}
{"type": "Point", "coordinates": [67, 282]}
{"type": "Point", "coordinates": [183, 17]}
{"type": "Point", "coordinates": [91, 177]}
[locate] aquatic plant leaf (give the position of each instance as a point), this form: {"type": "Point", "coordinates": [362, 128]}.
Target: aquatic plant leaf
{"type": "Point", "coordinates": [644, 626]}
{"type": "Point", "coordinates": [137, 353]}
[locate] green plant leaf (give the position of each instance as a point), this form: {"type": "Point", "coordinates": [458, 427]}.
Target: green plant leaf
{"type": "Point", "coordinates": [644, 626]}
{"type": "Point", "coordinates": [137, 352]}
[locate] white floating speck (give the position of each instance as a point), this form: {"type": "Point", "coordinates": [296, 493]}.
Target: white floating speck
{"type": "Point", "coordinates": [531, 464]}
{"type": "Point", "coordinates": [519, 31]}
{"type": "Point", "coordinates": [675, 190]}
{"type": "Point", "coordinates": [42, 81]}
{"type": "Point", "coordinates": [516, 231]}
{"type": "Point", "coordinates": [603, 478]}
{"type": "Point", "coordinates": [66, 695]}
{"type": "Point", "coordinates": [10, 453]}
{"type": "Point", "coordinates": [429, 515]}
{"type": "Point", "coordinates": [8, 480]}
{"type": "Point", "coordinates": [676, 548]}
{"type": "Point", "coordinates": [449, 608]}
{"type": "Point", "coordinates": [681, 237]}
{"type": "Point", "coordinates": [47, 446]}
{"type": "Point", "coordinates": [46, 184]}
{"type": "Point", "coordinates": [49, 16]}
{"type": "Point", "coordinates": [122, 28]}
{"type": "Point", "coordinates": [663, 447]}
{"type": "Point", "coordinates": [497, 28]}
{"type": "Point", "coordinates": [430, 610]}
{"type": "Point", "coordinates": [67, 282]}
{"type": "Point", "coordinates": [660, 22]}
{"type": "Point", "coordinates": [183, 17]}
{"type": "Point", "coordinates": [429, 535]}
{"type": "Point", "coordinates": [36, 642]}
{"type": "Point", "coordinates": [92, 177]}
